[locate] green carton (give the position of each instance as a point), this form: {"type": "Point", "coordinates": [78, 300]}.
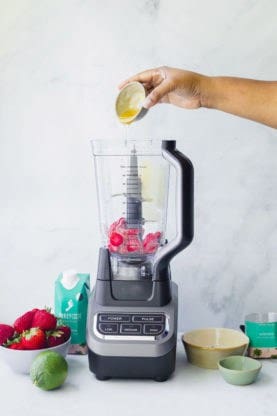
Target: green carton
{"type": "Point", "coordinates": [71, 305]}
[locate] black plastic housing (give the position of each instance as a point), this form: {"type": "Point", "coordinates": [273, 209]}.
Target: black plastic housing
{"type": "Point", "coordinates": [128, 292]}
{"type": "Point", "coordinates": [185, 207]}
{"type": "Point", "coordinates": [157, 368]}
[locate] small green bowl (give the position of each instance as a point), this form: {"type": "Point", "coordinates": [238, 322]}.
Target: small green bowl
{"type": "Point", "coordinates": [239, 370]}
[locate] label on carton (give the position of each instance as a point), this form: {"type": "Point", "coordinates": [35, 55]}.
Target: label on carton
{"type": "Point", "coordinates": [262, 334]}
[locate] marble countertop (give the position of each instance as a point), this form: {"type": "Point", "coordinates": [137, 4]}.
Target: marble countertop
{"type": "Point", "coordinates": [191, 390]}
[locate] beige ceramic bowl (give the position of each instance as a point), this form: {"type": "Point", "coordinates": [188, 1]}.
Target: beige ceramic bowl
{"type": "Point", "coordinates": [205, 347]}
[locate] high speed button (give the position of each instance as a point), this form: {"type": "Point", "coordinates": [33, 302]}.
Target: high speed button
{"type": "Point", "coordinates": [153, 329]}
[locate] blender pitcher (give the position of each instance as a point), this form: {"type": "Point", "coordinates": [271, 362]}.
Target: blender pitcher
{"type": "Point", "coordinates": [132, 182]}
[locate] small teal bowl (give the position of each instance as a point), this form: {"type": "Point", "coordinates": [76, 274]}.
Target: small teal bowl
{"type": "Point", "coordinates": [239, 370]}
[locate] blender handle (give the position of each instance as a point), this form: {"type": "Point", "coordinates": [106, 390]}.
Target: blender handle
{"type": "Point", "coordinates": [184, 208]}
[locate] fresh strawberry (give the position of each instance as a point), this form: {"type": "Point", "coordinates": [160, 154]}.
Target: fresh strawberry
{"type": "Point", "coordinates": [24, 322]}
{"type": "Point", "coordinates": [16, 346]}
{"type": "Point", "coordinates": [6, 332]}
{"type": "Point", "coordinates": [66, 332]}
{"type": "Point", "coordinates": [44, 320]}
{"type": "Point", "coordinates": [58, 336]}
{"type": "Point", "coordinates": [14, 343]}
{"type": "Point", "coordinates": [33, 339]}
{"type": "Point", "coordinates": [55, 338]}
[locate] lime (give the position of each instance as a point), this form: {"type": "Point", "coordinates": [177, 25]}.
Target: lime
{"type": "Point", "coordinates": [48, 370]}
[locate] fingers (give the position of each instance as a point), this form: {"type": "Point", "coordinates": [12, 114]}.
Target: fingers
{"type": "Point", "coordinates": [159, 94]}
{"type": "Point", "coordinates": [154, 81]}
{"type": "Point", "coordinates": [146, 77]}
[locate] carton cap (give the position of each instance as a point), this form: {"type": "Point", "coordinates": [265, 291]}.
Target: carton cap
{"type": "Point", "coordinates": [69, 278]}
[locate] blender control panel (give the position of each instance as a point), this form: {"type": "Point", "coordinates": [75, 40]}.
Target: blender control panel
{"type": "Point", "coordinates": [136, 324]}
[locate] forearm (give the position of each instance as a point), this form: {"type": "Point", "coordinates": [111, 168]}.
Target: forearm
{"type": "Point", "coordinates": [255, 100]}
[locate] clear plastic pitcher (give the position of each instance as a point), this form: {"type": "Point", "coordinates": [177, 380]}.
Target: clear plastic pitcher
{"type": "Point", "coordinates": [132, 179]}
{"type": "Point", "coordinates": [132, 182]}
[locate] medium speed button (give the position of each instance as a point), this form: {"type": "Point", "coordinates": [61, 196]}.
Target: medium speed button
{"type": "Point", "coordinates": [130, 329]}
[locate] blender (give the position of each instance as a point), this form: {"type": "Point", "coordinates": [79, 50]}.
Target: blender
{"type": "Point", "coordinates": [132, 316]}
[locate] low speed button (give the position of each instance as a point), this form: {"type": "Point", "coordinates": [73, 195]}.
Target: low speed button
{"type": "Point", "coordinates": [108, 328]}
{"type": "Point", "coordinates": [152, 329]}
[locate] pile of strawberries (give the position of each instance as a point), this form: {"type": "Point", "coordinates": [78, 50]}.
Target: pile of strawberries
{"type": "Point", "coordinates": [124, 240]}
{"type": "Point", "coordinates": [34, 330]}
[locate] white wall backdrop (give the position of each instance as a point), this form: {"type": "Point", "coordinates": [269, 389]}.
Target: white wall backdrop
{"type": "Point", "coordinates": [60, 63]}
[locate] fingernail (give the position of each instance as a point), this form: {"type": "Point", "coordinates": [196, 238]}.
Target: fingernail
{"type": "Point", "coordinates": [147, 103]}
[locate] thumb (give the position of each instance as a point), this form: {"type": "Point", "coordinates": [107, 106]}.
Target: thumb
{"type": "Point", "coordinates": [157, 94]}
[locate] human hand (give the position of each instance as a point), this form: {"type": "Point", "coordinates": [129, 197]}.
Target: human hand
{"type": "Point", "coordinates": [170, 85]}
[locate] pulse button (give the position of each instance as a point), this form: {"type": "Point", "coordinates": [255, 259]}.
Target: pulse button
{"type": "Point", "coordinates": [148, 318]}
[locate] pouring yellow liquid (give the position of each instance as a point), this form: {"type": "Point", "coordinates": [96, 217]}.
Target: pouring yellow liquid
{"type": "Point", "coordinates": [127, 116]}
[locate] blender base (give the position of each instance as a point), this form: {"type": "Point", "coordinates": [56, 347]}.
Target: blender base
{"type": "Point", "coordinates": [118, 343]}
{"type": "Point", "coordinates": [156, 368]}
